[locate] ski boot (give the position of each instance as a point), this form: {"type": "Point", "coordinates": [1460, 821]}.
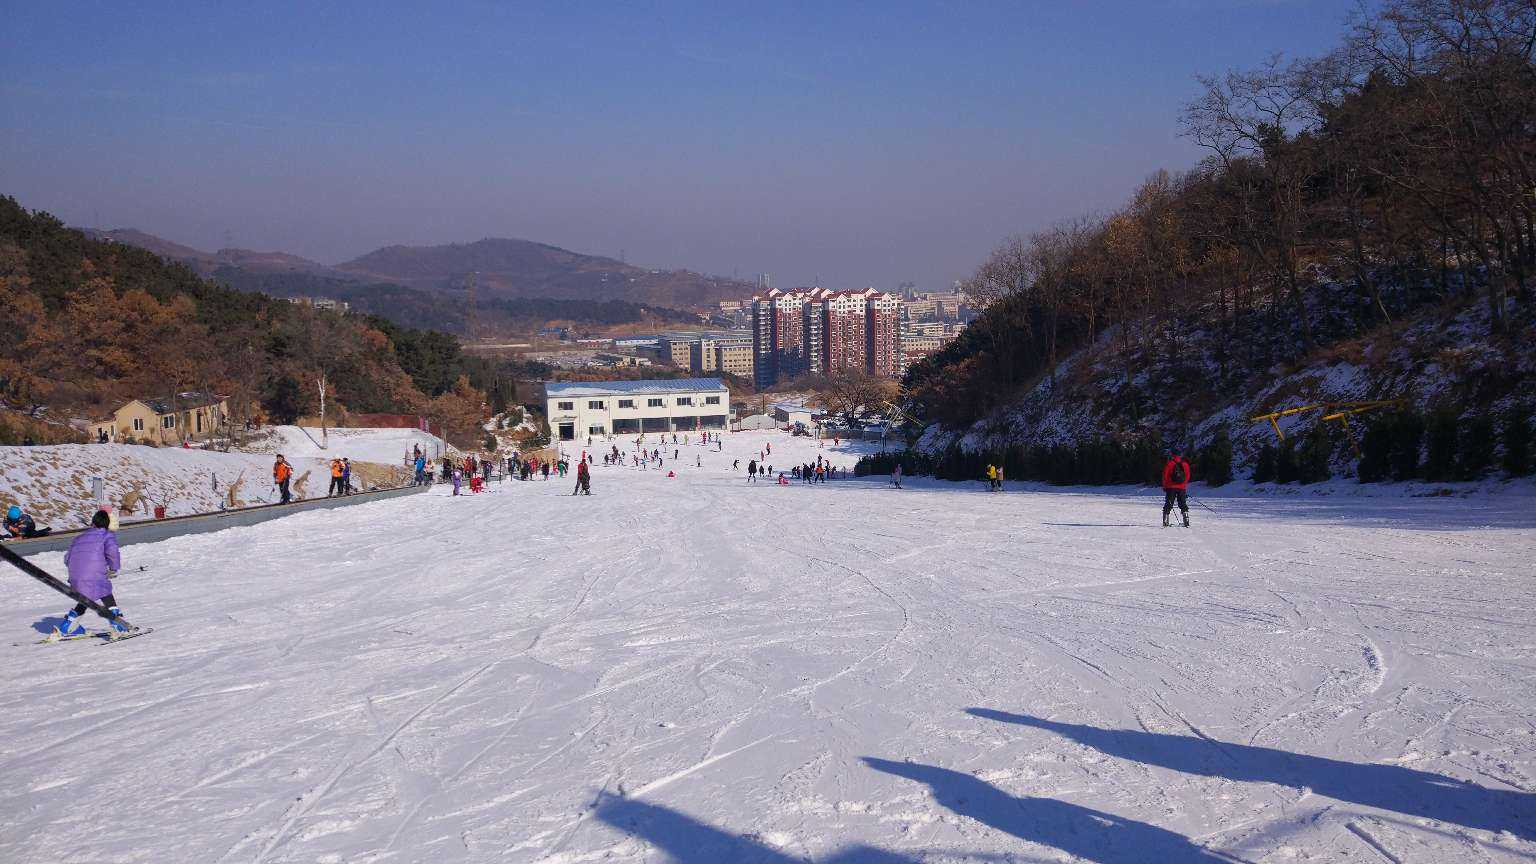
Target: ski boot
{"type": "Point", "coordinates": [1165, 520]}
{"type": "Point", "coordinates": [1186, 518]}
{"type": "Point", "coordinates": [70, 627]}
{"type": "Point", "coordinates": [118, 627]}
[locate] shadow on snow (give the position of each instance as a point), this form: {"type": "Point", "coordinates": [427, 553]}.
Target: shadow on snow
{"type": "Point", "coordinates": [1081, 831]}
{"type": "Point", "coordinates": [1387, 787]}
{"type": "Point", "coordinates": [686, 840]}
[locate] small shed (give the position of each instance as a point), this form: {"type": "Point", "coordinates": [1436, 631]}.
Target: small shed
{"type": "Point", "coordinates": [756, 422]}
{"type": "Point", "coordinates": [790, 414]}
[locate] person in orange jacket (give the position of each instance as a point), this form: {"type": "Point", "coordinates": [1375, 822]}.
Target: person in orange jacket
{"type": "Point", "coordinates": [1176, 486]}
{"type": "Point", "coordinates": [336, 483]}
{"type": "Point", "coordinates": [282, 472]}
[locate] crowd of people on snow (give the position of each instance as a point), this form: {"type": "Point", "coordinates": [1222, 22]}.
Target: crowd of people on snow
{"type": "Point", "coordinates": [653, 455]}
{"type": "Point", "coordinates": [93, 558]}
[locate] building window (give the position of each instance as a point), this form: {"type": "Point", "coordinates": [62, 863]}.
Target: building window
{"type": "Point", "coordinates": [566, 406]}
{"type": "Point", "coordinates": [655, 403]}
{"type": "Point", "coordinates": [626, 403]}
{"type": "Point", "coordinates": [596, 405]}
{"type": "Point", "coordinates": [711, 400]}
{"type": "Point", "coordinates": [596, 429]}
{"type": "Point", "coordinates": [685, 400]}
{"type": "Point", "coordinates": [168, 422]}
{"type": "Point", "coordinates": [138, 424]}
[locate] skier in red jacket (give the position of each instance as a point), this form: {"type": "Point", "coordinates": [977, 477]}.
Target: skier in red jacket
{"type": "Point", "coordinates": [1176, 486]}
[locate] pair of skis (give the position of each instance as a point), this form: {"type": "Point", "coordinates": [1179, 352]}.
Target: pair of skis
{"type": "Point", "coordinates": [101, 637]}
{"type": "Point", "coordinates": [42, 576]}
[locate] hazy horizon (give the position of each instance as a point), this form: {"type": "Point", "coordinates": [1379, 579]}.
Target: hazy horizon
{"type": "Point", "coordinates": [857, 145]}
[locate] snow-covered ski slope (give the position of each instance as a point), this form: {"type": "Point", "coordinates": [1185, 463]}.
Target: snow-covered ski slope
{"type": "Point", "coordinates": [691, 669]}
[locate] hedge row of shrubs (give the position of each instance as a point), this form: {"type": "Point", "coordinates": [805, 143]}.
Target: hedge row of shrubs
{"type": "Point", "coordinates": [1399, 446]}
{"type": "Point", "coordinates": [1442, 446]}
{"type": "Point", "coordinates": [1100, 462]}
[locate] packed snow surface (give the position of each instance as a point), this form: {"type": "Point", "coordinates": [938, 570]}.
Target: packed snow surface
{"type": "Point", "coordinates": [696, 669]}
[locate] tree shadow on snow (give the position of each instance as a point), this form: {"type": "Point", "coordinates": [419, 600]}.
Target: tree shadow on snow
{"type": "Point", "coordinates": [1081, 831]}
{"type": "Point", "coordinates": [1387, 787]}
{"type": "Point", "coordinates": [686, 840]}
{"type": "Point", "coordinates": [1430, 513]}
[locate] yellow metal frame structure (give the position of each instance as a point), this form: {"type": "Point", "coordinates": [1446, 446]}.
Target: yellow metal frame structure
{"type": "Point", "coordinates": [1340, 411]}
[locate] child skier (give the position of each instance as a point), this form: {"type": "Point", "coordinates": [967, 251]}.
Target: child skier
{"type": "Point", "coordinates": [93, 560]}
{"type": "Point", "coordinates": [19, 525]}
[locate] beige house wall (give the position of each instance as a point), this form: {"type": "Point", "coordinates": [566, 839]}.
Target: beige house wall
{"type": "Point", "coordinates": [139, 422]}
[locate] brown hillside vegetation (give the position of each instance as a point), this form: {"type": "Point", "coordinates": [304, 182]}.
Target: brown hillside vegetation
{"type": "Point", "coordinates": [1388, 184]}
{"type": "Point", "coordinates": [91, 324]}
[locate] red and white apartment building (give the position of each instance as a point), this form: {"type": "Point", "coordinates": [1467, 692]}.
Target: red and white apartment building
{"type": "Point", "coordinates": [814, 330]}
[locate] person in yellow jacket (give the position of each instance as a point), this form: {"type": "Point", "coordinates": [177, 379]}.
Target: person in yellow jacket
{"type": "Point", "coordinates": [337, 487]}
{"type": "Point", "coordinates": [991, 478]}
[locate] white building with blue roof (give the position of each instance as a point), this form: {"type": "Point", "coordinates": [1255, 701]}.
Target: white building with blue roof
{"type": "Point", "coordinates": [577, 409]}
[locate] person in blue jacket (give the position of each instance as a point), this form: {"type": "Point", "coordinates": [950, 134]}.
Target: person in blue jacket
{"type": "Point", "coordinates": [93, 560]}
{"type": "Point", "coordinates": [19, 525]}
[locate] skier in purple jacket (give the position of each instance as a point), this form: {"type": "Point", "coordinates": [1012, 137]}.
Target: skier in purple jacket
{"type": "Point", "coordinates": [93, 560]}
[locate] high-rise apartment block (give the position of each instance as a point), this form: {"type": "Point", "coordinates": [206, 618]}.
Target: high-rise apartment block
{"type": "Point", "coordinates": [819, 331]}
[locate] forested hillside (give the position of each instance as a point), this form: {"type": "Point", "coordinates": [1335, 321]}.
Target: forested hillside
{"type": "Point", "coordinates": [518, 281]}
{"type": "Point", "coordinates": [511, 268]}
{"type": "Point", "coordinates": [1363, 229]}
{"type": "Point", "coordinates": [91, 323]}
{"type": "Point", "coordinates": [448, 311]}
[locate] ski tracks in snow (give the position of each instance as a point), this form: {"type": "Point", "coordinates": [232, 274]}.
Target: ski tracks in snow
{"type": "Point", "coordinates": [723, 654]}
{"type": "Point", "coordinates": [308, 801]}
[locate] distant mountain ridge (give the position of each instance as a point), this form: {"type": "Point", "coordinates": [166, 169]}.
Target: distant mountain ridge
{"type": "Point", "coordinates": [506, 268]}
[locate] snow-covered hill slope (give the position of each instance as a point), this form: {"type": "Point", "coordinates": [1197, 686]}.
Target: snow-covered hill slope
{"type": "Point", "coordinates": [694, 669]}
{"type": "Point", "coordinates": [54, 483]}
{"type": "Point", "coordinates": [384, 446]}
{"type": "Point", "coordinates": [1188, 383]}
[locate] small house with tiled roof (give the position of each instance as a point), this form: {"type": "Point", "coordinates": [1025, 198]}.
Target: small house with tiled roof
{"type": "Point", "coordinates": [191, 416]}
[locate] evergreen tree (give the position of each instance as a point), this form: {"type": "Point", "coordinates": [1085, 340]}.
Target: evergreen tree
{"type": "Point", "coordinates": [1407, 438]}
{"type": "Point", "coordinates": [1216, 459]}
{"type": "Point", "coordinates": [284, 400]}
{"type": "Point", "coordinates": [1476, 453]}
{"type": "Point", "coordinates": [1376, 451]}
{"type": "Point", "coordinates": [1286, 470]}
{"type": "Point", "coordinates": [1440, 447]}
{"type": "Point", "coordinates": [1265, 465]}
{"type": "Point", "coordinates": [1517, 442]}
{"type": "Point", "coordinates": [1313, 457]}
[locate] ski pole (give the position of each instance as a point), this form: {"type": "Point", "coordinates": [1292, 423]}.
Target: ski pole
{"type": "Point", "coordinates": [1203, 504]}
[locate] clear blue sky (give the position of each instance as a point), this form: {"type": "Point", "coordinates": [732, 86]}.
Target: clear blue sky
{"type": "Point", "coordinates": [868, 143]}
